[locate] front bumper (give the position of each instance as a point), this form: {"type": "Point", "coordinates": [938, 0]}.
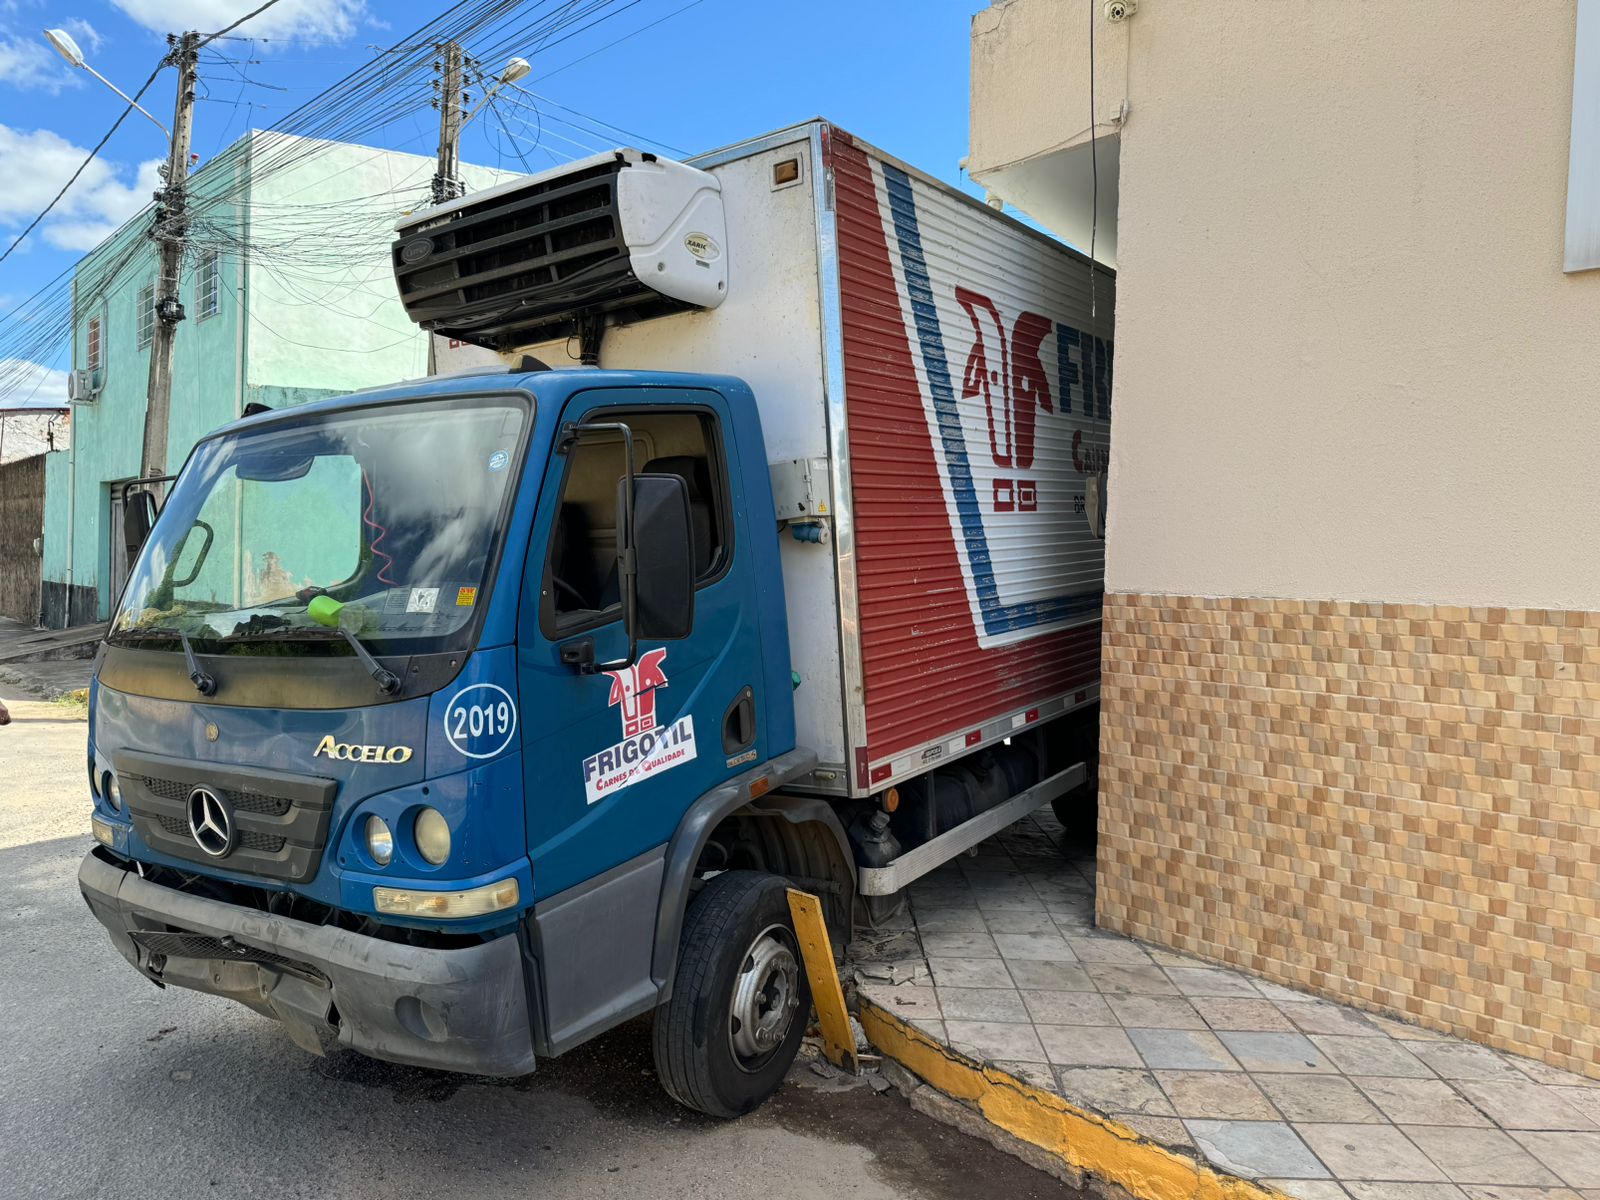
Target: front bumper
{"type": "Point", "coordinates": [459, 1010]}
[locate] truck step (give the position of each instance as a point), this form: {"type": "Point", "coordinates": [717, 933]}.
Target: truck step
{"type": "Point", "coordinates": [886, 881]}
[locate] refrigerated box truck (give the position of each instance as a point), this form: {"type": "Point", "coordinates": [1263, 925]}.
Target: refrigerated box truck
{"type": "Point", "coordinates": [748, 534]}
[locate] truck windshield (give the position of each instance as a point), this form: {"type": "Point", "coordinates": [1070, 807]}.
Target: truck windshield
{"type": "Point", "coordinates": [381, 520]}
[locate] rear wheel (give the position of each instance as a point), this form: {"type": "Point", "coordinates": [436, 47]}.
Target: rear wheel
{"type": "Point", "coordinates": [725, 1040]}
{"type": "Point", "coordinates": [1078, 811]}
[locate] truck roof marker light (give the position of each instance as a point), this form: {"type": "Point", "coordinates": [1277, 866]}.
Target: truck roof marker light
{"type": "Point", "coordinates": [474, 902]}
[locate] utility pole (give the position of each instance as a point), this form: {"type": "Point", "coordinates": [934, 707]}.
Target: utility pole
{"type": "Point", "coordinates": [168, 232]}
{"type": "Point", "coordinates": [447, 183]}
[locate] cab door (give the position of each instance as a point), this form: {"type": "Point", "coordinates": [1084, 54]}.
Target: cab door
{"type": "Point", "coordinates": [614, 755]}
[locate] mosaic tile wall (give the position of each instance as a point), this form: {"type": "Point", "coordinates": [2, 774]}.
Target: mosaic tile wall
{"type": "Point", "coordinates": [1393, 805]}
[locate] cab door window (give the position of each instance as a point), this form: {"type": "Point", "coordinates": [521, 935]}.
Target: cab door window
{"type": "Point", "coordinates": [580, 583]}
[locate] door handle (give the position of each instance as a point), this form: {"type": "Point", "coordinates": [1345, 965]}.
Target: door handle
{"type": "Point", "coordinates": [579, 653]}
{"type": "Point", "coordinates": [739, 722]}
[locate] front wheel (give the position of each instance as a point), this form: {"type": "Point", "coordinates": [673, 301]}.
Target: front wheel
{"type": "Point", "coordinates": [725, 1040]}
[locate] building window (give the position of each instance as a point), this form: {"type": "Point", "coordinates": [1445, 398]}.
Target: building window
{"type": "Point", "coordinates": [147, 315]}
{"type": "Point", "coordinates": [208, 286]}
{"type": "Point", "coordinates": [94, 352]}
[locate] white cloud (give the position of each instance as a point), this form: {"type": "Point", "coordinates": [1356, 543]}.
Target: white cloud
{"type": "Point", "coordinates": [40, 161]}
{"type": "Point", "coordinates": [24, 384]}
{"type": "Point", "coordinates": [88, 37]}
{"type": "Point", "coordinates": [288, 20]}
{"type": "Point", "coordinates": [26, 62]}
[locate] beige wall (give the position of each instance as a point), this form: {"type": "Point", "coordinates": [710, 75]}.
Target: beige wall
{"type": "Point", "coordinates": [1350, 715]}
{"type": "Point", "coordinates": [1030, 79]}
{"type": "Point", "coordinates": [1348, 362]}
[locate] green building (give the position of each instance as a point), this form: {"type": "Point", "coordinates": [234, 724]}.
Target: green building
{"type": "Point", "coordinates": [288, 296]}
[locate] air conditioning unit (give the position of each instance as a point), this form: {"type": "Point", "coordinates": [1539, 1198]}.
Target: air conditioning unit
{"type": "Point", "coordinates": [83, 386]}
{"type": "Point", "coordinates": [624, 236]}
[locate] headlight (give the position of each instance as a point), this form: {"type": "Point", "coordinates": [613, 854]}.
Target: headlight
{"type": "Point", "coordinates": [477, 902]}
{"type": "Point", "coordinates": [380, 842]}
{"type": "Point", "coordinates": [112, 791]}
{"type": "Point", "coordinates": [432, 835]}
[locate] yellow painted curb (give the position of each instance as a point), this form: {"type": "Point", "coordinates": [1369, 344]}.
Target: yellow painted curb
{"type": "Point", "coordinates": [1083, 1140]}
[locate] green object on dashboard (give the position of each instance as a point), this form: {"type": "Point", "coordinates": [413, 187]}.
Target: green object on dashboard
{"type": "Point", "coordinates": [324, 610]}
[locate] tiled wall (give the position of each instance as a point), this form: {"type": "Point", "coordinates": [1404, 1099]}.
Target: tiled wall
{"type": "Point", "coordinates": [1395, 805]}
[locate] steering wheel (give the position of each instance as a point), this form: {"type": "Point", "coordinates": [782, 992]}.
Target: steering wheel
{"type": "Point", "coordinates": [561, 585]}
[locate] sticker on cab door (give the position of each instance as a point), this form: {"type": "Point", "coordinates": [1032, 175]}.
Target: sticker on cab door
{"type": "Point", "coordinates": [646, 749]}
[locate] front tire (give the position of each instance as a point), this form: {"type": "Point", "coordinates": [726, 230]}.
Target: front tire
{"type": "Point", "coordinates": [740, 1001]}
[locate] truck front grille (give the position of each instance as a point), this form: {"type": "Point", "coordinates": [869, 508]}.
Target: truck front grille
{"type": "Point", "coordinates": [248, 839]}
{"type": "Point", "coordinates": [280, 820]}
{"type": "Point", "coordinates": [243, 798]}
{"type": "Point", "coordinates": [200, 945]}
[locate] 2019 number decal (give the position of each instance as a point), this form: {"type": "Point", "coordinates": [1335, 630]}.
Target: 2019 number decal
{"type": "Point", "coordinates": [480, 720]}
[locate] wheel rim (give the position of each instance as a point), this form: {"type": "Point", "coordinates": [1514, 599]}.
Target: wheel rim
{"type": "Point", "coordinates": [766, 993]}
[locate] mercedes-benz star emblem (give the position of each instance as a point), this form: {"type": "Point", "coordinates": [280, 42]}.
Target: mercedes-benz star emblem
{"type": "Point", "coordinates": [210, 822]}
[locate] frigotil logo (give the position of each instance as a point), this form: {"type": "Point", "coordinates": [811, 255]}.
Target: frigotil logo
{"type": "Point", "coordinates": [635, 690]}
{"type": "Point", "coordinates": [1006, 368]}
{"type": "Point", "coordinates": [647, 748]}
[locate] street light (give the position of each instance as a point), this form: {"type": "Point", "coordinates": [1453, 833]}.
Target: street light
{"type": "Point", "coordinates": [68, 49]}
{"type": "Point", "coordinates": [517, 68]}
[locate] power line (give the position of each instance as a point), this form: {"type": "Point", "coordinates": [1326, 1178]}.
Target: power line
{"type": "Point", "coordinates": [223, 32]}
{"type": "Point", "coordinates": [499, 117]}
{"type": "Point", "coordinates": [388, 89]}
{"type": "Point", "coordinates": [620, 40]}
{"type": "Point", "coordinates": [85, 163]}
{"type": "Point", "coordinates": [594, 120]}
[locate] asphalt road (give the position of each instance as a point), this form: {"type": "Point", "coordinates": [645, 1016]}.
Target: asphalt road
{"type": "Point", "coordinates": [111, 1087]}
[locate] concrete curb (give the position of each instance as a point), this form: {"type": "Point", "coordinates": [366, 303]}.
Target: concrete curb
{"type": "Point", "coordinates": [1077, 1145]}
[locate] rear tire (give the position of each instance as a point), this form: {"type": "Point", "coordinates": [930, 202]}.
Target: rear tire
{"type": "Point", "coordinates": [740, 1000]}
{"type": "Point", "coordinates": [1079, 810]}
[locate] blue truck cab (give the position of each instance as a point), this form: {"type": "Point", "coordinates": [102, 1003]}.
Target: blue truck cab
{"type": "Point", "coordinates": [427, 712]}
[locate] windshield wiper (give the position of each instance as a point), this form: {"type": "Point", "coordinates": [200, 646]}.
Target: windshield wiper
{"type": "Point", "coordinates": [204, 683]}
{"type": "Point", "coordinates": [387, 681]}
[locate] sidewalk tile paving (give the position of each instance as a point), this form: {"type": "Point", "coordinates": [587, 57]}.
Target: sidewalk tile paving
{"type": "Point", "coordinates": [998, 956]}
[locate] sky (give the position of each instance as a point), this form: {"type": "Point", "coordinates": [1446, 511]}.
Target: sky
{"type": "Point", "coordinates": [680, 75]}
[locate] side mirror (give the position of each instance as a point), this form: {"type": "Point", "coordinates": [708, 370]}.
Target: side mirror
{"type": "Point", "coordinates": [663, 547]}
{"type": "Point", "coordinates": [138, 518]}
